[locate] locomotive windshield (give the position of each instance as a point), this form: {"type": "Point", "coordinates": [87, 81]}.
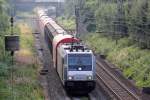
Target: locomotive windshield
{"type": "Point", "coordinates": [79, 62]}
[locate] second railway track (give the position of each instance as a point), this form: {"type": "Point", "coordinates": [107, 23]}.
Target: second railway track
{"type": "Point", "coordinates": [117, 88]}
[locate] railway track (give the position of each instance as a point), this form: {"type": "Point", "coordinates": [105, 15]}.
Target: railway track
{"type": "Point", "coordinates": [117, 88]}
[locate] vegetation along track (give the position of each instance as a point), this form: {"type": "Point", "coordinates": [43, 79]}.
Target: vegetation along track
{"type": "Point", "coordinates": [118, 89]}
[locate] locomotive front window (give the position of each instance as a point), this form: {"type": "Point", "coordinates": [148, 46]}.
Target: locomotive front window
{"type": "Point", "coordinates": [80, 62]}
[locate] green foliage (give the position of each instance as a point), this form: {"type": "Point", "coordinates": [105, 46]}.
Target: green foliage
{"type": "Point", "coordinates": [91, 28]}
{"type": "Point", "coordinates": [69, 8]}
{"type": "Point", "coordinates": [67, 23]}
{"type": "Point", "coordinates": [105, 15]}
{"type": "Point", "coordinates": [91, 4]}
{"type": "Point", "coordinates": [27, 86]}
{"type": "Point", "coordinates": [4, 29]}
{"type": "Point", "coordinates": [126, 55]}
{"type": "Point", "coordinates": [4, 70]}
{"type": "Point", "coordinates": [5, 92]}
{"type": "Point", "coordinates": [117, 18]}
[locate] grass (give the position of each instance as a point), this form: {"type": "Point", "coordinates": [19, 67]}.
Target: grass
{"type": "Point", "coordinates": [25, 71]}
{"type": "Point", "coordinates": [27, 76]}
{"type": "Point", "coordinates": [126, 55]}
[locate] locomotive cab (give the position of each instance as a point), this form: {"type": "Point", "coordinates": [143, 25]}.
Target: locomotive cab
{"type": "Point", "coordinates": [80, 72]}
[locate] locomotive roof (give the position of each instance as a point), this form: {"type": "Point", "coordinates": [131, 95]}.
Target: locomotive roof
{"type": "Point", "coordinates": [64, 50]}
{"type": "Point", "coordinates": [67, 48]}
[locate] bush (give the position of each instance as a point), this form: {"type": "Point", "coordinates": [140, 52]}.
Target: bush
{"type": "Point", "coordinates": [4, 70]}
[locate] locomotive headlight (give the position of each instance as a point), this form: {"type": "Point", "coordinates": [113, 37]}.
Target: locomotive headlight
{"type": "Point", "coordinates": [79, 68]}
{"type": "Point", "coordinates": [70, 77]}
{"type": "Point", "coordinates": [89, 77]}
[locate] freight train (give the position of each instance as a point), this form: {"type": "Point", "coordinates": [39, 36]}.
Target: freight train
{"type": "Point", "coordinates": [73, 61]}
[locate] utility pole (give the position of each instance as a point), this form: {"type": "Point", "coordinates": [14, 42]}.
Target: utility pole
{"type": "Point", "coordinates": [12, 44]}
{"type": "Point", "coordinates": [78, 7]}
{"type": "Point", "coordinates": [12, 52]}
{"type": "Point", "coordinates": [77, 20]}
{"type": "Point", "coordinates": [119, 21]}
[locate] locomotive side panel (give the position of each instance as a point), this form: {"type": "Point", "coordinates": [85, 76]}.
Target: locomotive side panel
{"type": "Point", "coordinates": [60, 63]}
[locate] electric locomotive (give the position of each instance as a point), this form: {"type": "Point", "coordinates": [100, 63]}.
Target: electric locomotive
{"type": "Point", "coordinates": [74, 63]}
{"type": "Point", "coordinates": [76, 68]}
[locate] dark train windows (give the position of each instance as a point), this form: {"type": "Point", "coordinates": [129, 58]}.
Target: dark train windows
{"type": "Point", "coordinates": [51, 28]}
{"type": "Point", "coordinates": [79, 62]}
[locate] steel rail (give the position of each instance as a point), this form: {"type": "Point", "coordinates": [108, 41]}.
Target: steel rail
{"type": "Point", "coordinates": [102, 80]}
{"type": "Point", "coordinates": [115, 79]}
